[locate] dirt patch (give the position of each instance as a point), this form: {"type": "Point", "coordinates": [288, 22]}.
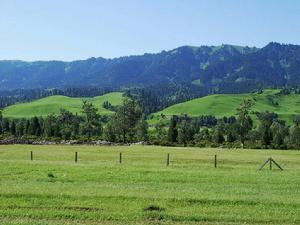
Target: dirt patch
{"type": "Point", "coordinates": [154, 208]}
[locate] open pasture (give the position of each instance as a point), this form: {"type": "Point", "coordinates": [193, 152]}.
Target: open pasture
{"type": "Point", "coordinates": [53, 189]}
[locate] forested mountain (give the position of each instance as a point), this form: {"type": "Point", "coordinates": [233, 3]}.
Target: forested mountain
{"type": "Point", "coordinates": [224, 69]}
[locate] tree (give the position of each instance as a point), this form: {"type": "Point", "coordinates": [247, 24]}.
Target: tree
{"type": "Point", "coordinates": [1, 118]}
{"type": "Point", "coordinates": [20, 128]}
{"type": "Point", "coordinates": [266, 121]}
{"type": "Point", "coordinates": [160, 131]}
{"type": "Point", "coordinates": [203, 137]}
{"type": "Point", "coordinates": [127, 116]}
{"type": "Point", "coordinates": [110, 131]}
{"type": "Point", "coordinates": [183, 132]}
{"type": "Point", "coordinates": [142, 130]}
{"type": "Point", "coordinates": [218, 133]}
{"type": "Point", "coordinates": [66, 122]}
{"type": "Point", "coordinates": [279, 133]}
{"type": "Point", "coordinates": [296, 121]}
{"type": "Point", "coordinates": [13, 128]}
{"type": "Point", "coordinates": [172, 131]}
{"type": "Point", "coordinates": [244, 120]}
{"type": "Point", "coordinates": [294, 138]}
{"type": "Point", "coordinates": [92, 124]}
{"type": "Point", "coordinates": [27, 126]}
{"type": "Point", "coordinates": [51, 126]}
{"type": "Point", "coordinates": [34, 127]}
{"type": "Point", "coordinates": [231, 131]}
{"type": "Point", "coordinates": [5, 125]}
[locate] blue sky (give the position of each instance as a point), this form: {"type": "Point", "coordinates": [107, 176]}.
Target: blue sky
{"type": "Point", "coordinates": [79, 29]}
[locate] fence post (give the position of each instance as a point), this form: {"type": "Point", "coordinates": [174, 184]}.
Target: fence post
{"type": "Point", "coordinates": [120, 158]}
{"type": "Point", "coordinates": [31, 155]}
{"type": "Point", "coordinates": [215, 161]}
{"type": "Point", "coordinates": [168, 159]}
{"type": "Point", "coordinates": [270, 163]}
{"type": "Point", "coordinates": [76, 157]}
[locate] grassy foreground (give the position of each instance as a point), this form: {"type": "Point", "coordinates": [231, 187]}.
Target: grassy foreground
{"type": "Point", "coordinates": [52, 104]}
{"type": "Point", "coordinates": [52, 189]}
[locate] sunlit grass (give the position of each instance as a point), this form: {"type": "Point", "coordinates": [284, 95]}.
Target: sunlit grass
{"type": "Point", "coordinates": [53, 104]}
{"type": "Point", "coordinates": [53, 189]}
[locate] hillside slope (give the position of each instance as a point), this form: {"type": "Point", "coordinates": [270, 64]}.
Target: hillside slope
{"type": "Point", "coordinates": [286, 106]}
{"type": "Point", "coordinates": [53, 104]}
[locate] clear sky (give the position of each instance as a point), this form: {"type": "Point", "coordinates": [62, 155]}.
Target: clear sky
{"type": "Point", "coordinates": [79, 29]}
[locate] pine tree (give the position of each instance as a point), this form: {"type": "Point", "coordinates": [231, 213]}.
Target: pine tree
{"type": "Point", "coordinates": [92, 123]}
{"type": "Point", "coordinates": [266, 121]}
{"type": "Point", "coordinates": [20, 128]}
{"type": "Point", "coordinates": [218, 133]}
{"type": "Point", "coordinates": [51, 128]}
{"type": "Point", "coordinates": [172, 131]}
{"type": "Point", "coordinates": [110, 131]}
{"type": "Point", "coordinates": [295, 134]}
{"type": "Point", "coordinates": [34, 127]}
{"type": "Point", "coordinates": [244, 120]}
{"type": "Point", "coordinates": [127, 116]}
{"type": "Point", "coordinates": [13, 128]}
{"type": "Point", "coordinates": [5, 125]}
{"type": "Point", "coordinates": [65, 120]}
{"type": "Point", "coordinates": [183, 133]}
{"type": "Point", "coordinates": [142, 130]}
{"type": "Point", "coordinates": [160, 131]}
{"type": "Point", "coordinates": [1, 118]}
{"type": "Point", "coordinates": [27, 127]}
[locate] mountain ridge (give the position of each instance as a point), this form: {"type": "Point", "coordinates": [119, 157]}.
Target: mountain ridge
{"type": "Point", "coordinates": [224, 69]}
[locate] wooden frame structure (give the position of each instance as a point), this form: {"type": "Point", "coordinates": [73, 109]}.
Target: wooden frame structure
{"type": "Point", "coordinates": [270, 161]}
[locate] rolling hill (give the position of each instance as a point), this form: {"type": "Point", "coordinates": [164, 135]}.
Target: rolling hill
{"type": "Point", "coordinates": [53, 104]}
{"type": "Point", "coordinates": [286, 106]}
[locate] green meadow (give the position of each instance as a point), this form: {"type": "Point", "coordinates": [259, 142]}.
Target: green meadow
{"type": "Point", "coordinates": [53, 104]}
{"type": "Point", "coordinates": [53, 189]}
{"type": "Point", "coordinates": [286, 106]}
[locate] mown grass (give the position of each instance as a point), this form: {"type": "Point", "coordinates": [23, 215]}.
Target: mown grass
{"type": "Point", "coordinates": [53, 104]}
{"type": "Point", "coordinates": [52, 189]}
{"type": "Point", "coordinates": [286, 106]}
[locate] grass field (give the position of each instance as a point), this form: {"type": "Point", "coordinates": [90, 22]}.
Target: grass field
{"type": "Point", "coordinates": [52, 189]}
{"type": "Point", "coordinates": [53, 104]}
{"type": "Point", "coordinates": [286, 106]}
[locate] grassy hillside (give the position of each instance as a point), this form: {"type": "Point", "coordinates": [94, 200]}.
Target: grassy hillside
{"type": "Point", "coordinates": [286, 106]}
{"type": "Point", "coordinates": [53, 104]}
{"type": "Point", "coordinates": [53, 190]}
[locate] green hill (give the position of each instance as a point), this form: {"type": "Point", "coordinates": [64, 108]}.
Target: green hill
{"type": "Point", "coordinates": [53, 104]}
{"type": "Point", "coordinates": [286, 106]}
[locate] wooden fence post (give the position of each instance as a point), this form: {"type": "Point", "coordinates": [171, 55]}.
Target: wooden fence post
{"type": "Point", "coordinates": [76, 157]}
{"type": "Point", "coordinates": [215, 161]}
{"type": "Point", "coordinates": [168, 159]}
{"type": "Point", "coordinates": [120, 158]}
{"type": "Point", "coordinates": [31, 155]}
